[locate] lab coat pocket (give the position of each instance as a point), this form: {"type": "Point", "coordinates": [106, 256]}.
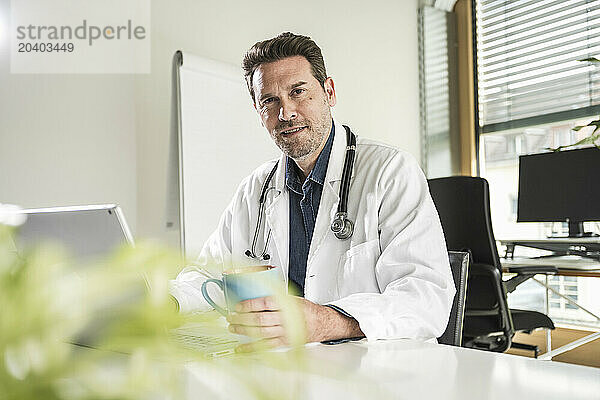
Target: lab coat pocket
{"type": "Point", "coordinates": [356, 270]}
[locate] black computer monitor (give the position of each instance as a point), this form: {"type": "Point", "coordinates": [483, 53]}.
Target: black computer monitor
{"type": "Point", "coordinates": [560, 186]}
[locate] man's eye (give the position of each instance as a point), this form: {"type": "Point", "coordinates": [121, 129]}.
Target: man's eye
{"type": "Point", "coordinates": [297, 91]}
{"type": "Point", "coordinates": [267, 101]}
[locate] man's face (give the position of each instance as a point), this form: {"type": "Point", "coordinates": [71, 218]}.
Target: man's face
{"type": "Point", "coordinates": [293, 106]}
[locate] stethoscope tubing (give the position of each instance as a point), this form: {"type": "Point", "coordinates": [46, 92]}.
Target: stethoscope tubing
{"type": "Point", "coordinates": [347, 171]}
{"type": "Point", "coordinates": [261, 211]}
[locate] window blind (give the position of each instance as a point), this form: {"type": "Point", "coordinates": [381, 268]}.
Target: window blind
{"type": "Point", "coordinates": [436, 90]}
{"type": "Point", "coordinates": [529, 61]}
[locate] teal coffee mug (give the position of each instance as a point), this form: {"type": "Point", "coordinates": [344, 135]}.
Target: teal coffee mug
{"type": "Point", "coordinates": [239, 284]}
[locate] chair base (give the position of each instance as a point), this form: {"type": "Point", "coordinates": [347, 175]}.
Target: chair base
{"type": "Point", "coordinates": [495, 343]}
{"type": "Point", "coordinates": [530, 347]}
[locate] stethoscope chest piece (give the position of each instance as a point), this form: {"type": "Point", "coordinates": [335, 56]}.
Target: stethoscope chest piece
{"type": "Point", "coordinates": [341, 226]}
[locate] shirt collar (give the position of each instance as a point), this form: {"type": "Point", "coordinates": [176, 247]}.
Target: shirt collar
{"type": "Point", "coordinates": [292, 173]}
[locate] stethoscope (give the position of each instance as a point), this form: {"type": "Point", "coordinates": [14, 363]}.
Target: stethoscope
{"type": "Point", "coordinates": [341, 226]}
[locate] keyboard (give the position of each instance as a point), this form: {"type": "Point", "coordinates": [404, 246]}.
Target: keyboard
{"type": "Point", "coordinates": [210, 346]}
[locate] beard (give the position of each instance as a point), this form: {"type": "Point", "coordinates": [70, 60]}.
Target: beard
{"type": "Point", "coordinates": [302, 145]}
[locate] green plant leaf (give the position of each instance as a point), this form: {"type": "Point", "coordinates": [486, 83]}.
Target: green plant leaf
{"type": "Point", "coordinates": [588, 140]}
{"type": "Point", "coordinates": [590, 59]}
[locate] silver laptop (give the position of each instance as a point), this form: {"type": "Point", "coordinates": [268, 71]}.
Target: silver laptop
{"type": "Point", "coordinates": [86, 232]}
{"type": "Point", "coordinates": [94, 231]}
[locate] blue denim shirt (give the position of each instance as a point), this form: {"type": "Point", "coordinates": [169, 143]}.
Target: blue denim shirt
{"type": "Point", "coordinates": [305, 198]}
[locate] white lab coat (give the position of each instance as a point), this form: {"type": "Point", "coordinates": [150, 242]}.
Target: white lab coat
{"type": "Point", "coordinates": [392, 275]}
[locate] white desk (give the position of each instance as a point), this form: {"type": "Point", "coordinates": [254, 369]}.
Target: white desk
{"type": "Point", "coordinates": [566, 265]}
{"type": "Point", "coordinates": [562, 246]}
{"type": "Point", "coordinates": [403, 369]}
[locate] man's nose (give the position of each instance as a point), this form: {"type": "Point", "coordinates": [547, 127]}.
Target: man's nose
{"type": "Point", "coordinates": [287, 111]}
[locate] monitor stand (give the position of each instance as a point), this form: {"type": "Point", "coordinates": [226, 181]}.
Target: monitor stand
{"type": "Point", "coordinates": [576, 230]}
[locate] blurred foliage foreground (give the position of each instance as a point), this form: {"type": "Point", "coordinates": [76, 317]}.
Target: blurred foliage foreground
{"type": "Point", "coordinates": [47, 303]}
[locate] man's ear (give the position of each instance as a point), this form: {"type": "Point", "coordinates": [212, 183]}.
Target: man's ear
{"type": "Point", "coordinates": [329, 88]}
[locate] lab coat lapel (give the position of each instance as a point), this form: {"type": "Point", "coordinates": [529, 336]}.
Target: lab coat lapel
{"type": "Point", "coordinates": [329, 196]}
{"type": "Point", "coordinates": [277, 214]}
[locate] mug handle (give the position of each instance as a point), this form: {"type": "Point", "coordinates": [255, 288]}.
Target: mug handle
{"type": "Point", "coordinates": [207, 297]}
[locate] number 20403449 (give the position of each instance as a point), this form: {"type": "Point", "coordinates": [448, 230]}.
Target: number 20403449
{"type": "Point", "coordinates": [45, 47]}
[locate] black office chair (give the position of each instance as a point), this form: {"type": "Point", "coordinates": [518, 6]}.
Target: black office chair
{"type": "Point", "coordinates": [459, 264]}
{"type": "Point", "coordinates": [464, 209]}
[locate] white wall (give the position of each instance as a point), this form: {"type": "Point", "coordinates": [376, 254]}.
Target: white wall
{"type": "Point", "coordinates": [66, 139]}
{"type": "Point", "coordinates": [370, 49]}
{"type": "Point", "coordinates": [98, 138]}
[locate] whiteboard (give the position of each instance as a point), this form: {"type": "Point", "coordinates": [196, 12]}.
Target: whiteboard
{"type": "Point", "coordinates": [220, 142]}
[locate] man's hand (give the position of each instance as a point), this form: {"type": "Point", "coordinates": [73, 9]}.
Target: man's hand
{"type": "Point", "coordinates": [263, 318]}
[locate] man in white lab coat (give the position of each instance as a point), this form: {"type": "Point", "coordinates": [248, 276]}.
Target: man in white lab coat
{"type": "Point", "coordinates": [390, 279]}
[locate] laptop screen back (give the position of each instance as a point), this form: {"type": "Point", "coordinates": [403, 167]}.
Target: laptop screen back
{"type": "Point", "coordinates": [85, 234]}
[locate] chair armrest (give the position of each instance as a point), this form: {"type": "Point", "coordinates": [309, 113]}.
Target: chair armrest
{"type": "Point", "coordinates": [524, 272]}
{"type": "Point", "coordinates": [495, 275]}
{"type": "Point", "coordinates": [532, 269]}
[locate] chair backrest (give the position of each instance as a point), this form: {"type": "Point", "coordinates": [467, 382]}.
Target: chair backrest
{"type": "Point", "coordinates": [463, 204]}
{"type": "Point", "coordinates": [459, 264]}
